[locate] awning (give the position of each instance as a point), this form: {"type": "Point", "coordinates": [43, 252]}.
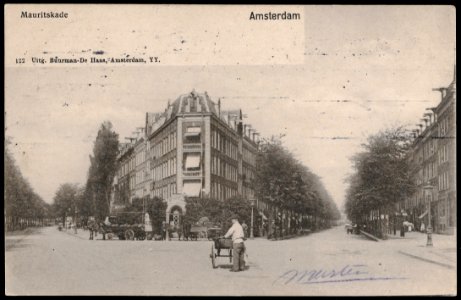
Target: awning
{"type": "Point", "coordinates": [192, 189]}
{"type": "Point", "coordinates": [192, 161]}
{"type": "Point", "coordinates": [192, 134]}
{"type": "Point", "coordinates": [193, 131]}
{"type": "Point", "coordinates": [422, 216]}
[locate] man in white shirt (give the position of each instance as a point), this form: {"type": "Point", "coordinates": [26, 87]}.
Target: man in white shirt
{"type": "Point", "coordinates": [238, 248]}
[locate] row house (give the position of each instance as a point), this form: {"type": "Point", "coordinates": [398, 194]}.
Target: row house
{"type": "Point", "coordinates": [433, 160]}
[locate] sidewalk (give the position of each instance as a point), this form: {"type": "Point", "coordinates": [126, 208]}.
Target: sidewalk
{"type": "Point", "coordinates": [413, 245]}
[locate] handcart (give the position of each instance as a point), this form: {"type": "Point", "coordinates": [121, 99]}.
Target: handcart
{"type": "Point", "coordinates": [219, 244]}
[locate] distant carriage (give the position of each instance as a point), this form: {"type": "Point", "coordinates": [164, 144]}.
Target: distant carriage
{"type": "Point", "coordinates": [204, 229]}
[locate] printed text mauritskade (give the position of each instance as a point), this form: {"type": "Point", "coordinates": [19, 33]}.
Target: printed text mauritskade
{"type": "Point", "coordinates": [44, 15]}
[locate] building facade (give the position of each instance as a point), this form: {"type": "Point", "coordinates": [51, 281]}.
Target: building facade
{"type": "Point", "coordinates": [433, 160]}
{"type": "Point", "coordinates": [191, 149]}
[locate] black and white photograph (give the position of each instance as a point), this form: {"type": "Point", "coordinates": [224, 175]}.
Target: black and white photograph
{"type": "Point", "coordinates": [230, 150]}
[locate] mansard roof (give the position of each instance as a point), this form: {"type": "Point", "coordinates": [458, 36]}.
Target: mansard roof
{"type": "Point", "coordinates": [193, 103]}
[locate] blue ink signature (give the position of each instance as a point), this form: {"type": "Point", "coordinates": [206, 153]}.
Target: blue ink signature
{"type": "Point", "coordinates": [348, 273]}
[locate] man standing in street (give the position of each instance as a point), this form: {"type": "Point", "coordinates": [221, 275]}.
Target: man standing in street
{"type": "Point", "coordinates": [238, 247]}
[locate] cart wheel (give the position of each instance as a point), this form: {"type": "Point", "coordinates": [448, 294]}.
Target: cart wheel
{"type": "Point", "coordinates": [213, 257]}
{"type": "Point", "coordinates": [129, 234]}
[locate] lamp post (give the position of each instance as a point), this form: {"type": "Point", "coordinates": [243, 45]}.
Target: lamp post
{"type": "Point", "coordinates": [75, 222]}
{"type": "Point", "coordinates": [252, 203]}
{"type": "Point", "coordinates": [429, 189]}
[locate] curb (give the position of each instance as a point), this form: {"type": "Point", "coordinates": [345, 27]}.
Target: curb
{"type": "Point", "coordinates": [370, 236]}
{"type": "Point", "coordinates": [427, 260]}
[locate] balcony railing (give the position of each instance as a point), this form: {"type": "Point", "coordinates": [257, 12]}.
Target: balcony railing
{"type": "Point", "coordinates": [191, 173]}
{"type": "Point", "coordinates": [191, 146]}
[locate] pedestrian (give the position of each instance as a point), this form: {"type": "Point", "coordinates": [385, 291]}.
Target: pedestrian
{"type": "Point", "coordinates": [402, 229]}
{"type": "Point", "coordinates": [245, 229]}
{"type": "Point", "coordinates": [238, 247]}
{"type": "Point", "coordinates": [272, 230]}
{"type": "Point", "coordinates": [278, 226]}
{"type": "Point", "coordinates": [164, 230]}
{"type": "Point", "coordinates": [423, 228]}
{"type": "Point", "coordinates": [148, 227]}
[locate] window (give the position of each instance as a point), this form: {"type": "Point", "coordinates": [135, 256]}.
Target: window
{"type": "Point", "coordinates": [192, 135]}
{"type": "Point", "coordinates": [444, 181]}
{"type": "Point", "coordinates": [192, 188]}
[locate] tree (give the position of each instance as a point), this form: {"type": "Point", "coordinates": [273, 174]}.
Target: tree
{"type": "Point", "coordinates": [103, 164]}
{"type": "Point", "coordinates": [382, 175]}
{"type": "Point", "coordinates": [217, 211]}
{"type": "Point", "coordinates": [235, 206]}
{"type": "Point", "coordinates": [20, 199]}
{"type": "Point", "coordinates": [285, 183]}
{"type": "Point", "coordinates": [155, 207]}
{"type": "Point", "coordinates": [197, 208]}
{"type": "Point", "coordinates": [157, 211]}
{"type": "Point", "coordinates": [66, 200]}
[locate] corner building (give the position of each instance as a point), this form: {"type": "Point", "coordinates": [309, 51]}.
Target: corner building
{"type": "Point", "coordinates": [192, 149]}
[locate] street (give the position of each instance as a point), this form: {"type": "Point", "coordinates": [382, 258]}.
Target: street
{"type": "Point", "coordinates": [49, 262]}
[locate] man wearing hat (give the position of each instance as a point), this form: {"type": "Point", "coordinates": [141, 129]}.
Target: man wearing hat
{"type": "Point", "coordinates": [238, 248]}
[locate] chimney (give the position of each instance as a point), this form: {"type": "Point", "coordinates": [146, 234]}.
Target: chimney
{"type": "Point", "coordinates": [240, 125]}
{"type": "Point", "coordinates": [430, 117]}
{"type": "Point", "coordinates": [219, 107]}
{"type": "Point", "coordinates": [432, 109]}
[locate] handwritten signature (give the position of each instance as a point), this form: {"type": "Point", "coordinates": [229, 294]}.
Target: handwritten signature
{"type": "Point", "coordinates": [347, 273]}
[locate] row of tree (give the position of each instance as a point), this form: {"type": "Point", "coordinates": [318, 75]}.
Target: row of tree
{"type": "Point", "coordinates": [217, 212]}
{"type": "Point", "coordinates": [283, 182]}
{"type": "Point", "coordinates": [21, 201]}
{"type": "Point", "coordinates": [381, 179]}
{"type": "Point", "coordinates": [93, 199]}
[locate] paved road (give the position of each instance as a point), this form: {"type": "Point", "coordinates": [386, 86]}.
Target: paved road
{"type": "Point", "coordinates": [49, 262]}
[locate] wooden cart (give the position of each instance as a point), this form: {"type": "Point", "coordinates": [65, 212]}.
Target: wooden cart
{"type": "Point", "coordinates": [219, 244]}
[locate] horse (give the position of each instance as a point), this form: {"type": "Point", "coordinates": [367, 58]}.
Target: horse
{"type": "Point", "coordinates": [93, 227]}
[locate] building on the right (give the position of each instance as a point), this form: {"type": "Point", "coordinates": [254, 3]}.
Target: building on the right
{"type": "Point", "coordinates": [433, 160]}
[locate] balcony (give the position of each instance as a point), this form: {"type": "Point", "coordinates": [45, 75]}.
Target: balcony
{"type": "Point", "coordinates": [191, 173]}
{"type": "Point", "coordinates": [192, 147]}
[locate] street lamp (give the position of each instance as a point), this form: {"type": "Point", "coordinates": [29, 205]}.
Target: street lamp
{"type": "Point", "coordinates": [75, 222]}
{"type": "Point", "coordinates": [429, 189]}
{"type": "Point", "coordinates": [252, 203]}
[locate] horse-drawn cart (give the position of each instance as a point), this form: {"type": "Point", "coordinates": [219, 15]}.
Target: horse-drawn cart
{"type": "Point", "coordinates": [204, 229]}
{"type": "Point", "coordinates": [220, 243]}
{"type": "Point", "coordinates": [112, 226]}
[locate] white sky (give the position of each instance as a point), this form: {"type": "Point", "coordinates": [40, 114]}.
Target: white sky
{"type": "Point", "coordinates": [383, 60]}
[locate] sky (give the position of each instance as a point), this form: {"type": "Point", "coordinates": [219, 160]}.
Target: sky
{"type": "Point", "coordinates": [361, 69]}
